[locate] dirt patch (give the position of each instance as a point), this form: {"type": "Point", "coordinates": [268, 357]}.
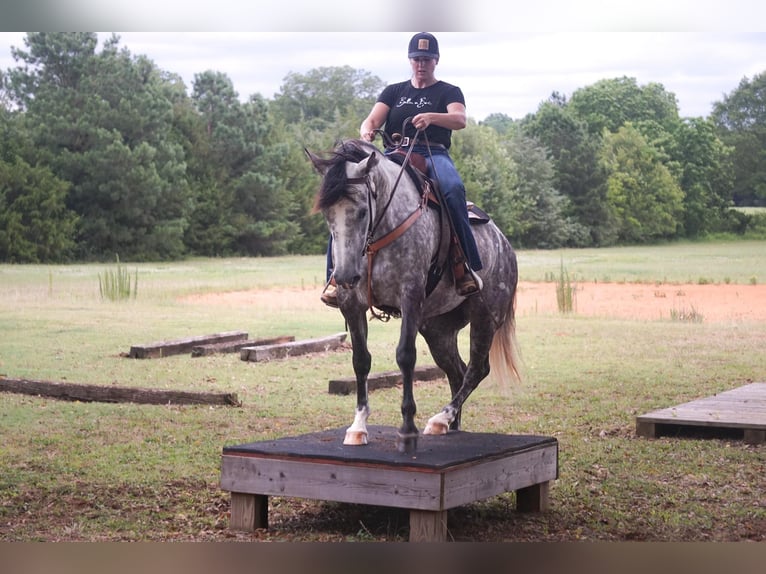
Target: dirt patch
{"type": "Point", "coordinates": [708, 303]}
{"type": "Point", "coordinates": [649, 302]}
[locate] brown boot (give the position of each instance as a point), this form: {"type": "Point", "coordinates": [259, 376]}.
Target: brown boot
{"type": "Point", "coordinates": [330, 295]}
{"type": "Point", "coordinates": [468, 283]}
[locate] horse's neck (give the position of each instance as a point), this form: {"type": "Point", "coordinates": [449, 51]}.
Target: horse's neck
{"type": "Point", "coordinates": [406, 235]}
{"type": "Point", "coordinates": [399, 193]}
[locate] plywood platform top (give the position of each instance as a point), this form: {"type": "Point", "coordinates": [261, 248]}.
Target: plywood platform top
{"type": "Point", "coordinates": [433, 452]}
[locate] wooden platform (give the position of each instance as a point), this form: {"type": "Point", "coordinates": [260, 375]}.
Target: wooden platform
{"type": "Point", "coordinates": [741, 410]}
{"type": "Point", "coordinates": [445, 472]}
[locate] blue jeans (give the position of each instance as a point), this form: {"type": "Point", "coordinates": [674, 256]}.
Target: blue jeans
{"type": "Point", "coordinates": [442, 169]}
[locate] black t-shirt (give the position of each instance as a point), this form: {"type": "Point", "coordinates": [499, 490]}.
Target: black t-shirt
{"type": "Point", "coordinates": [406, 101]}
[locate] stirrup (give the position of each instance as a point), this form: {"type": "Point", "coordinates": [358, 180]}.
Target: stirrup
{"type": "Point", "coordinates": [329, 295]}
{"type": "Point", "coordinates": [469, 284]}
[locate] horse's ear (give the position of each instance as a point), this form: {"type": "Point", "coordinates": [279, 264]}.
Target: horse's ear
{"type": "Point", "coordinates": [373, 160]}
{"type": "Point", "coordinates": [363, 167]}
{"type": "Point", "coordinates": [316, 161]}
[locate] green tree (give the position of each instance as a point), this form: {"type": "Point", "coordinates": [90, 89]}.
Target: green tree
{"type": "Point", "coordinates": [706, 177]}
{"type": "Point", "coordinates": [503, 124]}
{"type": "Point", "coordinates": [208, 230]}
{"type": "Point", "coordinates": [313, 111]}
{"type": "Point", "coordinates": [5, 97]}
{"type": "Point", "coordinates": [609, 104]}
{"type": "Point", "coordinates": [511, 177]}
{"type": "Point", "coordinates": [644, 196]}
{"type": "Point", "coordinates": [53, 61]}
{"type": "Point", "coordinates": [489, 175]}
{"type": "Point", "coordinates": [300, 178]}
{"type": "Point", "coordinates": [330, 99]}
{"type": "Point", "coordinates": [578, 175]}
{"type": "Point", "coordinates": [741, 122]}
{"type": "Point", "coordinates": [35, 225]}
{"type": "Point", "coordinates": [546, 223]}
{"type": "Point", "coordinates": [243, 201]}
{"type": "Point", "coordinates": [103, 123]}
{"type": "Point", "coordinates": [212, 230]}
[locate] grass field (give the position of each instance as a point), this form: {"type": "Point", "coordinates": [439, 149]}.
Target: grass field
{"type": "Point", "coordinates": [97, 471]}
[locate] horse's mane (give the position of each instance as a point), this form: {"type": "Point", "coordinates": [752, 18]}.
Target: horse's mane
{"type": "Point", "coordinates": [334, 184]}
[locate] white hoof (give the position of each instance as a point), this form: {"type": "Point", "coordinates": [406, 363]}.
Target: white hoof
{"type": "Point", "coordinates": [438, 424]}
{"type": "Point", "coordinates": [356, 434]}
{"type": "Point", "coordinates": [435, 428]}
{"type": "Point", "coordinates": [355, 438]}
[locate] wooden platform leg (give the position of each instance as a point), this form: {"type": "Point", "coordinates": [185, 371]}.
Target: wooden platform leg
{"type": "Point", "coordinates": [249, 511]}
{"type": "Point", "coordinates": [646, 429]}
{"type": "Point", "coordinates": [428, 526]}
{"type": "Point", "coordinates": [754, 436]}
{"type": "Point", "coordinates": [533, 498]}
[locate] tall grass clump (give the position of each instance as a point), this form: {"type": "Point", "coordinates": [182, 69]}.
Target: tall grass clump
{"type": "Point", "coordinates": [683, 315]}
{"type": "Point", "coordinates": [115, 284]}
{"type": "Point", "coordinates": [565, 291]}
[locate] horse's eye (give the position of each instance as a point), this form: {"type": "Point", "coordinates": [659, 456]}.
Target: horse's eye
{"type": "Point", "coordinates": [362, 214]}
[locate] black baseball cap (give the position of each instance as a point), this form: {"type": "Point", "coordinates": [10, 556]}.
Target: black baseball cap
{"type": "Point", "coordinates": [423, 45]}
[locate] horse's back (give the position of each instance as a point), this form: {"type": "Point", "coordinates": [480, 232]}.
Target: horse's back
{"type": "Point", "coordinates": [499, 271]}
{"type": "Point", "coordinates": [494, 247]}
{"type": "Point", "coordinates": [499, 275]}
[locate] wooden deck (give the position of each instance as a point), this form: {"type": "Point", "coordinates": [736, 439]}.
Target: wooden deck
{"type": "Point", "coordinates": [740, 411]}
{"type": "Point", "coordinates": [445, 472]}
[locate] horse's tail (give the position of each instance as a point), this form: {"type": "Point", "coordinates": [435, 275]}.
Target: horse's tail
{"type": "Point", "coordinates": [504, 353]}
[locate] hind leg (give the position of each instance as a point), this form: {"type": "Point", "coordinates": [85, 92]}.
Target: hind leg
{"type": "Point", "coordinates": [476, 370]}
{"type": "Point", "coordinates": [441, 335]}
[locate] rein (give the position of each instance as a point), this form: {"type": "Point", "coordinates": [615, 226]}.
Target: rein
{"type": "Point", "coordinates": [373, 246]}
{"type": "Point", "coordinates": [372, 228]}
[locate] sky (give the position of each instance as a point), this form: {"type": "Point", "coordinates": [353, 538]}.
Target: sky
{"type": "Point", "coordinates": [699, 55]}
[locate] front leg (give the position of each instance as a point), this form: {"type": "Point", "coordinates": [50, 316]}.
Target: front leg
{"type": "Point", "coordinates": [356, 434]}
{"type": "Point", "coordinates": [406, 355]}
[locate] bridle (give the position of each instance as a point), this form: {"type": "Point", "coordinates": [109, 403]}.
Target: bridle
{"type": "Point", "coordinates": [372, 245]}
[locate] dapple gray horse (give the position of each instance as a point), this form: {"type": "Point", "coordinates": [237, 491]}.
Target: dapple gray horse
{"type": "Point", "coordinates": [385, 240]}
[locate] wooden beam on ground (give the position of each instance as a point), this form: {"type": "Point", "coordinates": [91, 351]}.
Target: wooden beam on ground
{"type": "Point", "coordinates": [108, 394]}
{"type": "Point", "coordinates": [181, 346]}
{"type": "Point", "coordinates": [295, 348]}
{"type": "Point", "coordinates": [385, 380]}
{"type": "Point", "coordinates": [236, 346]}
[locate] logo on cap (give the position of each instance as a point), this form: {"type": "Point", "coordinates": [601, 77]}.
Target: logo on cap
{"type": "Point", "coordinates": [423, 44]}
